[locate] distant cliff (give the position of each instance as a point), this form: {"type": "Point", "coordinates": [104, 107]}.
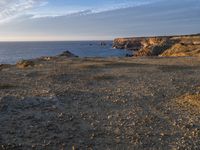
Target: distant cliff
{"type": "Point", "coordinates": [184, 45]}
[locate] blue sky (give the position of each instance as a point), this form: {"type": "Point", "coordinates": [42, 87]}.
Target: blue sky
{"type": "Point", "coordinates": [37, 20]}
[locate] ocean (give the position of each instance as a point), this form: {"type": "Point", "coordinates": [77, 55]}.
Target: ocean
{"type": "Point", "coordinates": [11, 52]}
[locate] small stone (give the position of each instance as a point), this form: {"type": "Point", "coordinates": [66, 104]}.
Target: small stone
{"type": "Point", "coordinates": [60, 115]}
{"type": "Point", "coordinates": [117, 140]}
{"type": "Point", "coordinates": [33, 146]}
{"type": "Point", "coordinates": [162, 134]}
{"type": "Point", "coordinates": [110, 116]}
{"type": "Point", "coordinates": [74, 148]}
{"type": "Point", "coordinates": [117, 131]}
{"type": "Point", "coordinates": [92, 136]}
{"type": "Point", "coordinates": [47, 58]}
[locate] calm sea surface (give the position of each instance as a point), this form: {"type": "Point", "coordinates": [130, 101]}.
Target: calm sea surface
{"type": "Point", "coordinates": [11, 52]}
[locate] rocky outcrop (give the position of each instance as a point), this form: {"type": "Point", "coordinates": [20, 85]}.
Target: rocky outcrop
{"type": "Point", "coordinates": [36, 62]}
{"type": "Point", "coordinates": [25, 63]}
{"type": "Point", "coordinates": [68, 54]}
{"type": "Point", "coordinates": [185, 45]}
{"type": "Point", "coordinates": [3, 66]}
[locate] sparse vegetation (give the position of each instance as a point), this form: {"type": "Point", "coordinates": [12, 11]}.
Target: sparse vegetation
{"type": "Point", "coordinates": [102, 103]}
{"type": "Point", "coordinates": [6, 86]}
{"type": "Point", "coordinates": [191, 101]}
{"type": "Point", "coordinates": [91, 65]}
{"type": "Point", "coordinates": [103, 77]}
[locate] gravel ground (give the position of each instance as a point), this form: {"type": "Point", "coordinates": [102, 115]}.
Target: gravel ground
{"type": "Point", "coordinates": [100, 103]}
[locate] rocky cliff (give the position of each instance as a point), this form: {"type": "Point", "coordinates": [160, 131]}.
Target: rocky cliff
{"type": "Point", "coordinates": [184, 45]}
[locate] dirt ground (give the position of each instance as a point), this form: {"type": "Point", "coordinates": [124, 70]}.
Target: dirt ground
{"type": "Point", "coordinates": [101, 104]}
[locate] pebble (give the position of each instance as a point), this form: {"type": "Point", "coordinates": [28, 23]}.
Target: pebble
{"type": "Point", "coordinates": [162, 134]}
{"type": "Point", "coordinates": [117, 131]}
{"type": "Point", "coordinates": [74, 148]}
{"type": "Point", "coordinates": [117, 140]}
{"type": "Point", "coordinates": [110, 116]}
{"type": "Point", "coordinates": [60, 115]}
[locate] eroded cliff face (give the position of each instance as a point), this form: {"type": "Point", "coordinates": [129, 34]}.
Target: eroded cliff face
{"type": "Point", "coordinates": [187, 45]}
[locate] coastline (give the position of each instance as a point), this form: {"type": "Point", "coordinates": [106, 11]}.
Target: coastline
{"type": "Point", "coordinates": [177, 45]}
{"type": "Point", "coordinates": [99, 75]}
{"type": "Point", "coordinates": [98, 103]}
{"type": "Point", "coordinates": [15, 51]}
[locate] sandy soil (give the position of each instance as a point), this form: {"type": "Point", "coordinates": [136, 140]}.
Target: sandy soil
{"type": "Point", "coordinates": [101, 103]}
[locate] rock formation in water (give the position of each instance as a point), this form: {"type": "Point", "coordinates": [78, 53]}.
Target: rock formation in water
{"type": "Point", "coordinates": [68, 54]}
{"type": "Point", "coordinates": [184, 45]}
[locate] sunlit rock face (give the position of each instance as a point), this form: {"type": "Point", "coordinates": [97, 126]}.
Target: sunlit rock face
{"type": "Point", "coordinates": [184, 45]}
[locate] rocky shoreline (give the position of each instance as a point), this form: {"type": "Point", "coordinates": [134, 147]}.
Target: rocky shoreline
{"type": "Point", "coordinates": [66, 102]}
{"type": "Point", "coordinates": [182, 45]}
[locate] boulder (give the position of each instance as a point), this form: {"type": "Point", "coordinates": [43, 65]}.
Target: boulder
{"type": "Point", "coordinates": [25, 64]}
{"type": "Point", "coordinates": [103, 43]}
{"type": "Point", "coordinates": [3, 66]}
{"type": "Point", "coordinates": [68, 54]}
{"type": "Point", "coordinates": [47, 58]}
{"type": "Point", "coordinates": [129, 55]}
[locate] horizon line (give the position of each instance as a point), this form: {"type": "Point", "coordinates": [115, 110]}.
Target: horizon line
{"type": "Point", "coordinates": [126, 37]}
{"type": "Point", "coordinates": [53, 40]}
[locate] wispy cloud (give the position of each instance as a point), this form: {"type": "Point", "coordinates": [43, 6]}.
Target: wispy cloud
{"type": "Point", "coordinates": [54, 15]}
{"type": "Point", "coordinates": [103, 6]}
{"type": "Point", "coordinates": [11, 8]}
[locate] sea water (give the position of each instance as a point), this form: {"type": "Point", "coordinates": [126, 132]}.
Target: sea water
{"type": "Point", "coordinates": [11, 52]}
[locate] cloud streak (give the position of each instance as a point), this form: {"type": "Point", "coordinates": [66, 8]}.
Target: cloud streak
{"type": "Point", "coordinates": [12, 8]}
{"type": "Point", "coordinates": [93, 8]}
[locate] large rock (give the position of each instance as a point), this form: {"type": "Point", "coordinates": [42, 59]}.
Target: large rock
{"type": "Point", "coordinates": [68, 54]}
{"type": "Point", "coordinates": [186, 45]}
{"type": "Point", "coordinates": [25, 63]}
{"type": "Point", "coordinates": [3, 66]}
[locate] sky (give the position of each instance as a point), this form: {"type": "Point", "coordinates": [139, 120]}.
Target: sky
{"type": "Point", "coordinates": [56, 20]}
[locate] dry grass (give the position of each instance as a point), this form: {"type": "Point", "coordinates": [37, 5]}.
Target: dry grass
{"type": "Point", "coordinates": [89, 65]}
{"type": "Point", "coordinates": [182, 50]}
{"type": "Point", "coordinates": [103, 77]}
{"type": "Point", "coordinates": [191, 101]}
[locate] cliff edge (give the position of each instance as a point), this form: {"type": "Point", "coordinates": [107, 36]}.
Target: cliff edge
{"type": "Point", "coordinates": [183, 45]}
